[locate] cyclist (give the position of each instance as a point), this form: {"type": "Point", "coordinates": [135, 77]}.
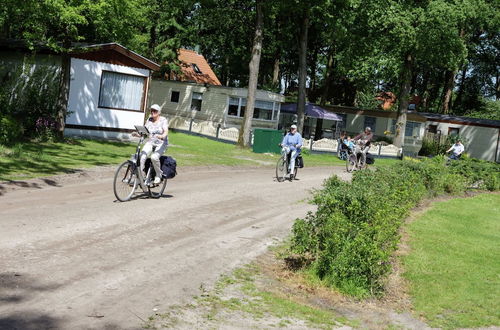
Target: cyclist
{"type": "Point", "coordinates": [292, 142]}
{"type": "Point", "coordinates": [365, 139]}
{"type": "Point", "coordinates": [157, 143]}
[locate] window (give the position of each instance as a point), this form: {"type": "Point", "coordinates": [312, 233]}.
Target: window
{"type": "Point", "coordinates": [265, 110]}
{"type": "Point", "coordinates": [411, 129]}
{"type": "Point", "coordinates": [453, 131]}
{"type": "Point", "coordinates": [233, 106]}
{"type": "Point", "coordinates": [174, 97]}
{"type": "Point", "coordinates": [343, 124]}
{"type": "Point", "coordinates": [121, 91]}
{"type": "Point", "coordinates": [196, 100]}
{"type": "Point", "coordinates": [370, 122]}
{"type": "Point", "coordinates": [432, 129]}
{"type": "Point", "coordinates": [196, 69]}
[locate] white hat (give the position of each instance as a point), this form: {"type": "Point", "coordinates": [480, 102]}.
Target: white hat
{"type": "Point", "coordinates": [156, 107]}
{"type": "Point", "coordinates": [293, 126]}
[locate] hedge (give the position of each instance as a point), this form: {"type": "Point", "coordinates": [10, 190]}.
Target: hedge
{"type": "Point", "coordinates": [354, 232]}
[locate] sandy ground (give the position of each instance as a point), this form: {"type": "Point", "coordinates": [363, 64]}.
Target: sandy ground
{"type": "Point", "coordinates": [74, 258]}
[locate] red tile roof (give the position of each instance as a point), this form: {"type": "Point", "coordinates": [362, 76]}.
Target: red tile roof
{"type": "Point", "coordinates": [191, 62]}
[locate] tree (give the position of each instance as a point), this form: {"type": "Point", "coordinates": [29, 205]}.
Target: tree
{"type": "Point", "coordinates": [244, 135]}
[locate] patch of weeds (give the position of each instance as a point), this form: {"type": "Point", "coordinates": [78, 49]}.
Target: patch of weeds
{"type": "Point", "coordinates": [239, 295]}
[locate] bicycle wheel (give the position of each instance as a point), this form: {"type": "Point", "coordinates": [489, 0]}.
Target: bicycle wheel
{"type": "Point", "coordinates": [281, 167]}
{"type": "Point", "coordinates": [350, 163]}
{"type": "Point", "coordinates": [155, 191]}
{"type": "Point", "coordinates": [362, 161]}
{"type": "Point", "coordinates": [125, 182]}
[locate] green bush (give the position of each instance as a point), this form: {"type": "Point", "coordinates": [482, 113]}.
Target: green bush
{"type": "Point", "coordinates": [28, 93]}
{"type": "Point", "coordinates": [354, 232]}
{"type": "Point", "coordinates": [10, 130]}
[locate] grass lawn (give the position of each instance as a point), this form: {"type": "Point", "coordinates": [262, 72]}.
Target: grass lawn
{"type": "Point", "coordinates": [454, 263]}
{"type": "Point", "coordinates": [35, 159]}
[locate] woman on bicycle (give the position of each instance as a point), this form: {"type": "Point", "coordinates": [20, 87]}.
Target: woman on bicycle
{"type": "Point", "coordinates": [157, 143]}
{"type": "Point", "coordinates": [292, 142]}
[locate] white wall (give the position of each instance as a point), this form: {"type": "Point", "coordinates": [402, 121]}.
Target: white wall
{"type": "Point", "coordinates": [83, 101]}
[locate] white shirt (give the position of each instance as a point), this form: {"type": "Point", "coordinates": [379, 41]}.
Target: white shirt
{"type": "Point", "coordinates": [457, 149]}
{"type": "Point", "coordinates": [157, 128]}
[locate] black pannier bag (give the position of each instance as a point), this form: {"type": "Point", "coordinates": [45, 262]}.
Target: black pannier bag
{"type": "Point", "coordinates": [168, 166]}
{"type": "Point", "coordinates": [299, 162]}
{"type": "Point", "coordinates": [370, 159]}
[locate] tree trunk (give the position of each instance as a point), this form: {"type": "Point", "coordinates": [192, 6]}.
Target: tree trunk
{"type": "Point", "coordinates": [404, 95]}
{"type": "Point", "coordinates": [328, 77]}
{"type": "Point", "coordinates": [497, 87]}
{"type": "Point", "coordinates": [313, 66]}
{"type": "Point", "coordinates": [301, 102]}
{"type": "Point", "coordinates": [424, 93]}
{"type": "Point", "coordinates": [62, 101]}
{"type": "Point", "coordinates": [449, 83]}
{"type": "Point", "coordinates": [246, 125]}
{"type": "Point", "coordinates": [228, 81]}
{"type": "Point", "coordinates": [461, 87]}
{"type": "Point", "coordinates": [276, 71]}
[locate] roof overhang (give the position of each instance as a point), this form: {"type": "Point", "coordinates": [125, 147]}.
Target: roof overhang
{"type": "Point", "coordinates": [103, 51]}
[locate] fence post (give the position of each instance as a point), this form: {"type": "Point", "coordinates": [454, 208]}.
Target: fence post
{"type": "Point", "coordinates": [379, 149]}
{"type": "Point", "coordinates": [217, 133]}
{"type": "Point", "coordinates": [191, 124]}
{"type": "Point", "coordinates": [311, 140]}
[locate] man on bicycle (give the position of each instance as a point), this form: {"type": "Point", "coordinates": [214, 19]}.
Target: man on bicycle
{"type": "Point", "coordinates": [365, 139]}
{"type": "Point", "coordinates": [292, 142]}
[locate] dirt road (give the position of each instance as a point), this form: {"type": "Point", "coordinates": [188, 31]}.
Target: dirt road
{"type": "Point", "coordinates": [74, 258]}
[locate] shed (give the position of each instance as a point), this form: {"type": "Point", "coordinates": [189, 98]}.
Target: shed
{"type": "Point", "coordinates": [108, 91]}
{"type": "Point", "coordinates": [482, 136]}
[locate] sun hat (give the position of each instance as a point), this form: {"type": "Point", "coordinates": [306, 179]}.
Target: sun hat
{"type": "Point", "coordinates": [293, 126]}
{"type": "Point", "coordinates": [156, 107]}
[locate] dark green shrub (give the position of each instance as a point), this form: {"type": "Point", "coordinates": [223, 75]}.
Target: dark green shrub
{"type": "Point", "coordinates": [10, 130]}
{"type": "Point", "coordinates": [354, 232]}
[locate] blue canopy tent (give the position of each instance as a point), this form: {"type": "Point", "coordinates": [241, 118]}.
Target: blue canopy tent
{"type": "Point", "coordinates": [313, 111]}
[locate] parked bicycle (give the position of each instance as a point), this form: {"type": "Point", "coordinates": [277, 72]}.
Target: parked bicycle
{"type": "Point", "coordinates": [357, 158]}
{"type": "Point", "coordinates": [129, 175]}
{"type": "Point", "coordinates": [283, 166]}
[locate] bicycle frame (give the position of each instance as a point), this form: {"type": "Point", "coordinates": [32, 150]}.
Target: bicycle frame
{"type": "Point", "coordinates": [136, 166]}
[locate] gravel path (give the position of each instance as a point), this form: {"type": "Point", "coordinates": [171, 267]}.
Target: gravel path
{"type": "Point", "coordinates": [74, 258]}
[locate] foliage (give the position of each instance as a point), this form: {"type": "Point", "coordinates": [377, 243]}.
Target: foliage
{"type": "Point", "coordinates": [352, 235]}
{"type": "Point", "coordinates": [453, 262]}
{"type": "Point", "coordinates": [487, 109]}
{"type": "Point", "coordinates": [10, 130]}
{"type": "Point", "coordinates": [28, 96]}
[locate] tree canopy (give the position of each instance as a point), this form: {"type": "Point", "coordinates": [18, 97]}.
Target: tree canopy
{"type": "Point", "coordinates": [444, 55]}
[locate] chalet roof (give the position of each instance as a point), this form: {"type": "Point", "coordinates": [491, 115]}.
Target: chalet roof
{"type": "Point", "coordinates": [109, 52]}
{"type": "Point", "coordinates": [411, 115]}
{"type": "Point", "coordinates": [195, 68]}
{"type": "Point", "coordinates": [114, 53]}
{"type": "Point", "coordinates": [460, 120]}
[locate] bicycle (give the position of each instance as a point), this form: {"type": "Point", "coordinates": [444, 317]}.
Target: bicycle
{"type": "Point", "coordinates": [357, 159]}
{"type": "Point", "coordinates": [128, 175]}
{"type": "Point", "coordinates": [282, 167]}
